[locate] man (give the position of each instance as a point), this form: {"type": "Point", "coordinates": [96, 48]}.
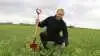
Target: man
{"type": "Point", "coordinates": [54, 26]}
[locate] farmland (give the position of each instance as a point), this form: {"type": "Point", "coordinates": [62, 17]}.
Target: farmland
{"type": "Point", "coordinates": [14, 41]}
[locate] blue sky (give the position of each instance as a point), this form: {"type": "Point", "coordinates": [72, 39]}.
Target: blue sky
{"type": "Point", "coordinates": [80, 13]}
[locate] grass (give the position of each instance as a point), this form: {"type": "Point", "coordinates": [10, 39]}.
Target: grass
{"type": "Point", "coordinates": [14, 41]}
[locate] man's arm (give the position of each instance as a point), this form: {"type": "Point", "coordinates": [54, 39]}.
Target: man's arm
{"type": "Point", "coordinates": [43, 23]}
{"type": "Point", "coordinates": [65, 35]}
{"type": "Point", "coordinates": [65, 32]}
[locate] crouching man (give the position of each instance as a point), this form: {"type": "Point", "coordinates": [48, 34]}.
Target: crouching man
{"type": "Point", "coordinates": [54, 26]}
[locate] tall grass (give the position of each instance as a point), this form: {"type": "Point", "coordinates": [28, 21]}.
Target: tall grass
{"type": "Point", "coordinates": [14, 41]}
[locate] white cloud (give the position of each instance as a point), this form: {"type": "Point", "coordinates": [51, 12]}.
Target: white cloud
{"type": "Point", "coordinates": [83, 13]}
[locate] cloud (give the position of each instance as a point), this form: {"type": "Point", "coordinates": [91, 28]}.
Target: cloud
{"type": "Point", "coordinates": [19, 10]}
{"type": "Point", "coordinates": [25, 7]}
{"type": "Point", "coordinates": [41, 3]}
{"type": "Point", "coordinates": [85, 12]}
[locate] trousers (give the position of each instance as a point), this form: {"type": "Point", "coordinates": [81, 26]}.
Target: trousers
{"type": "Point", "coordinates": [57, 40]}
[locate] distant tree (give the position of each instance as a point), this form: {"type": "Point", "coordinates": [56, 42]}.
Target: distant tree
{"type": "Point", "coordinates": [7, 23]}
{"type": "Point", "coordinates": [25, 24]}
{"type": "Point", "coordinates": [71, 26]}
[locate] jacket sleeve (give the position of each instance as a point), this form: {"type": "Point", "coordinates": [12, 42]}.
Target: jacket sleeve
{"type": "Point", "coordinates": [65, 31]}
{"type": "Point", "coordinates": [43, 23]}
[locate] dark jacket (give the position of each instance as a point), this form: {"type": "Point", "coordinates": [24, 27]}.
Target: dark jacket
{"type": "Point", "coordinates": [54, 27]}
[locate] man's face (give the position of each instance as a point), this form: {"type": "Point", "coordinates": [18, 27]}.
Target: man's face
{"type": "Point", "coordinates": [60, 13]}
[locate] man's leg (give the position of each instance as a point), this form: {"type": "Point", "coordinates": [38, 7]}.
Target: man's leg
{"type": "Point", "coordinates": [66, 41]}
{"type": "Point", "coordinates": [58, 41]}
{"type": "Point", "coordinates": [62, 41]}
{"type": "Point", "coordinates": [43, 38]}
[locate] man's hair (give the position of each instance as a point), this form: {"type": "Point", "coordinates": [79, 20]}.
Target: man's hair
{"type": "Point", "coordinates": [60, 9]}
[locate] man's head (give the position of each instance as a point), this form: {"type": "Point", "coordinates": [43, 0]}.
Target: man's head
{"type": "Point", "coordinates": [60, 13]}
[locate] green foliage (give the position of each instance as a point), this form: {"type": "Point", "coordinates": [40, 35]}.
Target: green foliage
{"type": "Point", "coordinates": [14, 42]}
{"type": "Point", "coordinates": [70, 26]}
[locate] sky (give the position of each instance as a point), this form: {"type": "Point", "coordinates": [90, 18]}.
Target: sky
{"type": "Point", "coordinates": [80, 13]}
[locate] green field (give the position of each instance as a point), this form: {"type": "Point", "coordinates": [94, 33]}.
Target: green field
{"type": "Point", "coordinates": [14, 41]}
